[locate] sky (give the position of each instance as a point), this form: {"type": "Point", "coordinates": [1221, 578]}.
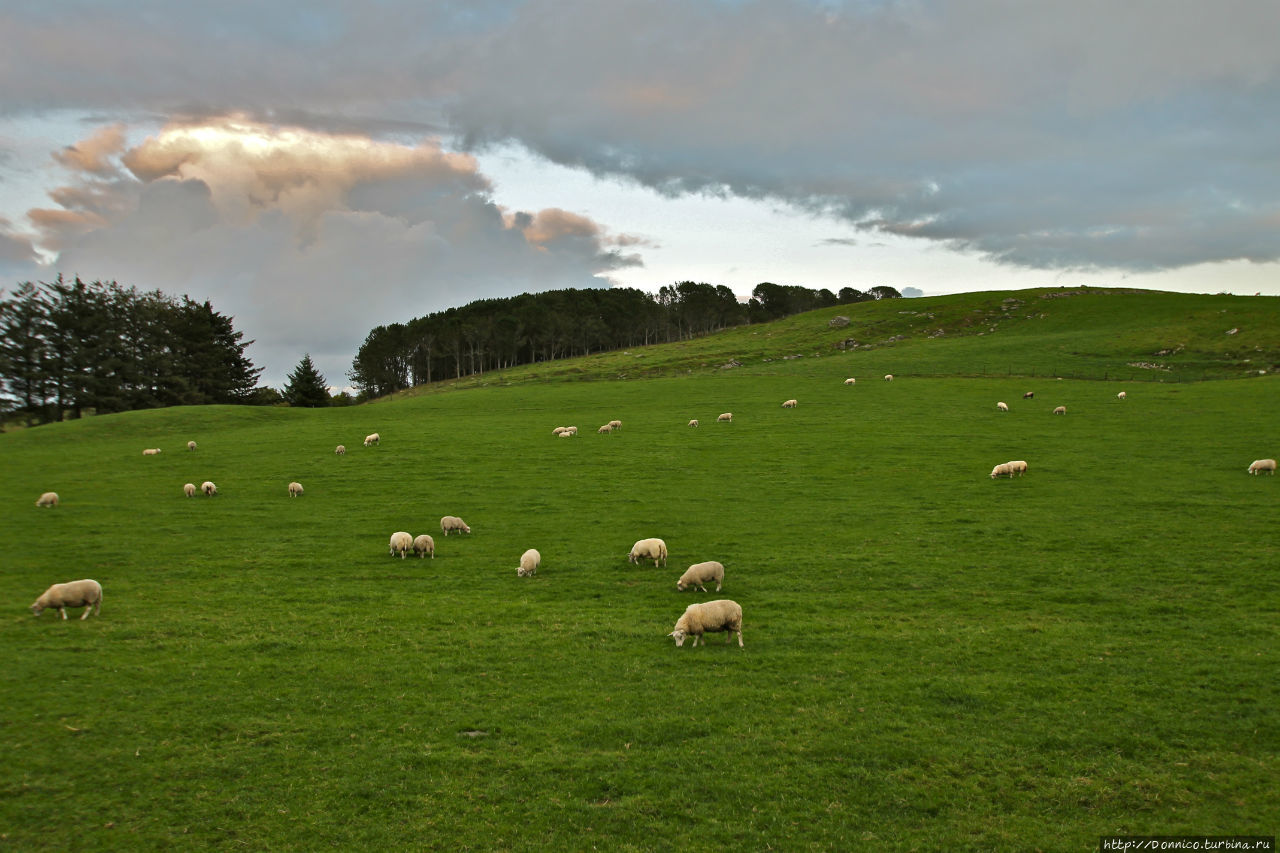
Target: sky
{"type": "Point", "coordinates": [318, 169]}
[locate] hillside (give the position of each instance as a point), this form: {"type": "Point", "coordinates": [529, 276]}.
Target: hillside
{"type": "Point", "coordinates": [1099, 333]}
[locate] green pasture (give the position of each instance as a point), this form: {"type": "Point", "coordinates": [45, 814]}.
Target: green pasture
{"type": "Point", "coordinates": [933, 660]}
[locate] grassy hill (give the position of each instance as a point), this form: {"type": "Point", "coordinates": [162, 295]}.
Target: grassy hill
{"type": "Point", "coordinates": [1099, 333]}
{"type": "Point", "coordinates": [933, 659]}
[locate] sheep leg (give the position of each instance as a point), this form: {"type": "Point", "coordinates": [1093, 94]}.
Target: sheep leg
{"type": "Point", "coordinates": [63, 611]}
{"type": "Point", "coordinates": [88, 608]}
{"type": "Point", "coordinates": [717, 586]}
{"type": "Point", "coordinates": [739, 638]}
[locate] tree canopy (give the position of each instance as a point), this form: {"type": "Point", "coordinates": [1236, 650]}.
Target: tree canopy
{"type": "Point", "coordinates": [305, 386]}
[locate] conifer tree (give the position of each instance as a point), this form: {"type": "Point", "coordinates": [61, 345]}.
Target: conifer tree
{"type": "Point", "coordinates": [305, 386]}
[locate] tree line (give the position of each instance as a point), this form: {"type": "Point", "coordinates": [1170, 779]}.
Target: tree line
{"type": "Point", "coordinates": [492, 334]}
{"type": "Point", "coordinates": [71, 348]}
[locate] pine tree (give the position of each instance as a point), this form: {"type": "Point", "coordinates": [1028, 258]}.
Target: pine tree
{"type": "Point", "coordinates": [306, 387]}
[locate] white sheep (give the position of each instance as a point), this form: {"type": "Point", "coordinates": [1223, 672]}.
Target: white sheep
{"type": "Point", "coordinates": [1061, 410]}
{"type": "Point", "coordinates": [727, 417]}
{"type": "Point", "coordinates": [701, 573]}
{"type": "Point", "coordinates": [1121, 395]}
{"type": "Point", "coordinates": [654, 549]}
{"type": "Point", "coordinates": [529, 562]}
{"type": "Point", "coordinates": [151, 451]}
{"type": "Point", "coordinates": [85, 593]}
{"type": "Point", "coordinates": [191, 445]}
{"type": "Point", "coordinates": [424, 544]}
{"type": "Point", "coordinates": [452, 522]}
{"type": "Point", "coordinates": [888, 377]}
{"type": "Point", "coordinates": [709, 617]}
{"type": "Point", "coordinates": [604, 429]}
{"type": "Point", "coordinates": [208, 488]}
{"type": "Point", "coordinates": [1004, 407]}
{"type": "Point", "coordinates": [401, 543]}
{"type": "Point", "coordinates": [789, 404]}
{"type": "Point", "coordinates": [372, 438]}
{"type": "Point", "coordinates": [1001, 470]}
{"type": "Point", "coordinates": [559, 430]}
{"type": "Point", "coordinates": [615, 424]}
{"type": "Point", "coordinates": [49, 499]}
{"type": "Point", "coordinates": [1017, 467]}
{"type": "Point", "coordinates": [693, 423]}
{"type": "Point", "coordinates": [189, 489]}
{"type": "Point", "coordinates": [850, 381]}
{"type": "Point", "coordinates": [566, 434]}
{"type": "Point", "coordinates": [295, 489]}
{"type": "Point", "coordinates": [340, 450]}
{"type": "Point", "coordinates": [573, 430]}
{"type": "Point", "coordinates": [1260, 465]}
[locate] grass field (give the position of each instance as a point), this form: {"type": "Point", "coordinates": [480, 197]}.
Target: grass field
{"type": "Point", "coordinates": [933, 659]}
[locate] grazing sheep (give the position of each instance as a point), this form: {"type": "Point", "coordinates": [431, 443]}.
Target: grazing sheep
{"type": "Point", "coordinates": [151, 451]}
{"type": "Point", "coordinates": [191, 445]}
{"type": "Point", "coordinates": [529, 562]}
{"type": "Point", "coordinates": [727, 417]}
{"type": "Point", "coordinates": [693, 423]}
{"type": "Point", "coordinates": [789, 404]}
{"type": "Point", "coordinates": [850, 381]}
{"type": "Point", "coordinates": [189, 490]}
{"type": "Point", "coordinates": [654, 549]}
{"type": "Point", "coordinates": [1256, 467]}
{"type": "Point", "coordinates": [85, 593]}
{"type": "Point", "coordinates": [709, 617]}
{"type": "Point", "coordinates": [615, 424]}
{"type": "Point", "coordinates": [701, 573]}
{"type": "Point", "coordinates": [295, 489]}
{"type": "Point", "coordinates": [340, 450]}
{"type": "Point", "coordinates": [208, 488]}
{"type": "Point", "coordinates": [49, 499]}
{"type": "Point", "coordinates": [452, 522]}
{"type": "Point", "coordinates": [1004, 407]}
{"type": "Point", "coordinates": [1001, 470]}
{"type": "Point", "coordinates": [1028, 395]}
{"type": "Point", "coordinates": [566, 434]}
{"type": "Point", "coordinates": [1121, 395]}
{"type": "Point", "coordinates": [424, 544]}
{"type": "Point", "coordinates": [888, 377]}
{"type": "Point", "coordinates": [1017, 467]}
{"type": "Point", "coordinates": [372, 438]}
{"type": "Point", "coordinates": [401, 543]}
{"type": "Point", "coordinates": [559, 430]}
{"type": "Point", "coordinates": [605, 429]}
{"type": "Point", "coordinates": [573, 430]}
{"type": "Point", "coordinates": [1061, 410]}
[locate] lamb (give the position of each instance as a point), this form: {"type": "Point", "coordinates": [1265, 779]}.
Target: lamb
{"type": "Point", "coordinates": [1121, 395]}
{"type": "Point", "coordinates": [888, 377]}
{"type": "Point", "coordinates": [85, 593]}
{"type": "Point", "coordinates": [1256, 467]}
{"type": "Point", "coordinates": [49, 499]}
{"type": "Point", "coordinates": [727, 417]}
{"type": "Point", "coordinates": [1001, 470]}
{"type": "Point", "coordinates": [189, 490]}
{"type": "Point", "coordinates": [295, 489]}
{"type": "Point", "coordinates": [1028, 395]}
{"type": "Point", "coordinates": [850, 381]}
{"type": "Point", "coordinates": [452, 522]}
{"type": "Point", "coordinates": [693, 423]}
{"type": "Point", "coordinates": [709, 617]}
{"type": "Point", "coordinates": [400, 543]}
{"type": "Point", "coordinates": [605, 429]}
{"type": "Point", "coordinates": [208, 488]}
{"type": "Point", "coordinates": [566, 434]}
{"type": "Point", "coordinates": [615, 424]}
{"type": "Point", "coordinates": [151, 451]}
{"type": "Point", "coordinates": [191, 445]}
{"type": "Point", "coordinates": [701, 573]}
{"type": "Point", "coordinates": [372, 438]}
{"type": "Point", "coordinates": [654, 549]}
{"type": "Point", "coordinates": [1004, 407]}
{"type": "Point", "coordinates": [424, 544]}
{"type": "Point", "coordinates": [529, 562]}
{"type": "Point", "coordinates": [1061, 410]}
{"type": "Point", "coordinates": [1017, 467]}
{"type": "Point", "coordinates": [340, 450]}
{"type": "Point", "coordinates": [789, 404]}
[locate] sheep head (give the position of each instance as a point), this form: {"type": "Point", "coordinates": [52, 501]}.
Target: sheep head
{"type": "Point", "coordinates": [679, 634]}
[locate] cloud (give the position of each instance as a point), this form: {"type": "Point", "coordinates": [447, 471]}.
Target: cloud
{"type": "Point", "coordinates": [310, 239]}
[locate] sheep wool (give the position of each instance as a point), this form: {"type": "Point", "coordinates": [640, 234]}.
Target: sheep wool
{"type": "Point", "coordinates": [789, 404]}
{"type": "Point", "coordinates": [654, 549]}
{"type": "Point", "coordinates": [1001, 470]}
{"type": "Point", "coordinates": [189, 489]}
{"type": "Point", "coordinates": [1260, 465]}
{"type": "Point", "coordinates": [615, 424]}
{"type": "Point", "coordinates": [208, 488]}
{"type": "Point", "coordinates": [701, 573]}
{"type": "Point", "coordinates": [340, 450]}
{"type": "Point", "coordinates": [1061, 410]}
{"type": "Point", "coordinates": [727, 418]}
{"type": "Point", "coordinates": [49, 499]}
{"type": "Point", "coordinates": [529, 562]}
{"type": "Point", "coordinates": [372, 438]}
{"type": "Point", "coordinates": [85, 593]}
{"type": "Point", "coordinates": [295, 489]}
{"type": "Point", "coordinates": [1004, 407]}
{"type": "Point", "coordinates": [1017, 467]}
{"type": "Point", "coordinates": [709, 617]}
{"type": "Point", "coordinates": [693, 423]}
{"type": "Point", "coordinates": [401, 543]}
{"type": "Point", "coordinates": [851, 381]}
{"type": "Point", "coordinates": [424, 544]}
{"type": "Point", "coordinates": [151, 451]}
{"type": "Point", "coordinates": [191, 445]}
{"type": "Point", "coordinates": [452, 522]}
